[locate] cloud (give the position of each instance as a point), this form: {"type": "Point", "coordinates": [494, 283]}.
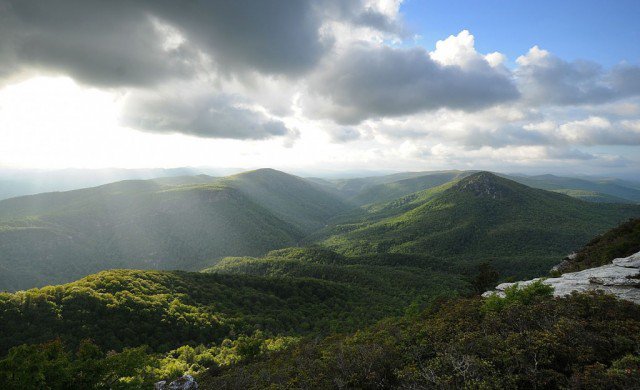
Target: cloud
{"type": "Point", "coordinates": [223, 47]}
{"type": "Point", "coordinates": [545, 79]}
{"type": "Point", "coordinates": [343, 134]}
{"type": "Point", "coordinates": [370, 82]}
{"type": "Point", "coordinates": [270, 36]}
{"type": "Point", "coordinates": [560, 153]}
{"type": "Point", "coordinates": [511, 126]}
{"type": "Point", "coordinates": [511, 159]}
{"type": "Point", "coordinates": [459, 50]}
{"type": "Point", "coordinates": [600, 131]}
{"type": "Point", "coordinates": [250, 70]}
{"type": "Point", "coordinates": [625, 79]}
{"type": "Point", "coordinates": [202, 114]}
{"type": "Point", "coordinates": [101, 43]}
{"type": "Point", "coordinates": [124, 43]}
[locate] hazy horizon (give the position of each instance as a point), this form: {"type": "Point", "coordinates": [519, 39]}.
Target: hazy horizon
{"type": "Point", "coordinates": [150, 173]}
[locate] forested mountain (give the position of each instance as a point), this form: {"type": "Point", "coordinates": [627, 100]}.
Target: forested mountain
{"type": "Point", "coordinates": [380, 189]}
{"type": "Point", "coordinates": [392, 282]}
{"type": "Point", "coordinates": [385, 192]}
{"type": "Point", "coordinates": [167, 223]}
{"type": "Point", "coordinates": [190, 221]}
{"type": "Point", "coordinates": [350, 188]}
{"type": "Point", "coordinates": [621, 241]}
{"type": "Point", "coordinates": [21, 182]}
{"type": "Point", "coordinates": [304, 204]}
{"type": "Point", "coordinates": [55, 238]}
{"type": "Point", "coordinates": [528, 339]}
{"type": "Point", "coordinates": [481, 217]}
{"type": "Point", "coordinates": [280, 322]}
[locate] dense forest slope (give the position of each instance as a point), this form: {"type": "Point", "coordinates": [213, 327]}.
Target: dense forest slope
{"type": "Point", "coordinates": [166, 309]}
{"type": "Point", "coordinates": [385, 192]}
{"type": "Point", "coordinates": [303, 204]}
{"type": "Point", "coordinates": [391, 282]}
{"type": "Point", "coordinates": [168, 223]}
{"type": "Point", "coordinates": [262, 322]}
{"type": "Point", "coordinates": [94, 333]}
{"type": "Point", "coordinates": [526, 339]}
{"type": "Point", "coordinates": [621, 241]}
{"type": "Point", "coordinates": [478, 218]}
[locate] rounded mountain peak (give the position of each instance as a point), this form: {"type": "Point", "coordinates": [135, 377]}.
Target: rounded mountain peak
{"type": "Point", "coordinates": [485, 184]}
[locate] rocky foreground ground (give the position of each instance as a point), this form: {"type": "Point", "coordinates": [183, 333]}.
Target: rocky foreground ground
{"type": "Point", "coordinates": [620, 278]}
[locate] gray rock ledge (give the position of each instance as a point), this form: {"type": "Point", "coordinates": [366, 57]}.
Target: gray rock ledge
{"type": "Point", "coordinates": [620, 278]}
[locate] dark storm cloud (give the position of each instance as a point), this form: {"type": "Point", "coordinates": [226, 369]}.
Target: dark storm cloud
{"type": "Point", "coordinates": [151, 43]}
{"type": "Point", "coordinates": [201, 115]}
{"type": "Point", "coordinates": [101, 43]}
{"type": "Point", "coordinates": [118, 42]}
{"type": "Point", "coordinates": [369, 82]}
{"type": "Point", "coordinates": [271, 36]}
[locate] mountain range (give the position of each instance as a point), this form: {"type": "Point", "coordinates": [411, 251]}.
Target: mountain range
{"type": "Point", "coordinates": [190, 222]}
{"type": "Point", "coordinates": [480, 217]}
{"type": "Point", "coordinates": [177, 223]}
{"type": "Point", "coordinates": [376, 189]}
{"type": "Point", "coordinates": [273, 273]}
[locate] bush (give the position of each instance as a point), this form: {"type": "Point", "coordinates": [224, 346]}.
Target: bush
{"type": "Point", "coordinates": [516, 295]}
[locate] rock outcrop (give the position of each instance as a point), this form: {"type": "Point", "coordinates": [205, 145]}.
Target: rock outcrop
{"type": "Point", "coordinates": [184, 383]}
{"type": "Point", "coordinates": [620, 278]}
{"type": "Point", "coordinates": [565, 263]}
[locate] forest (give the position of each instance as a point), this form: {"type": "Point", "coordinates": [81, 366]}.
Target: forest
{"type": "Point", "coordinates": [370, 299]}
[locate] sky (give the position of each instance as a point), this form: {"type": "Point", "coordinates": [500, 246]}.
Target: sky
{"type": "Point", "coordinates": [322, 85]}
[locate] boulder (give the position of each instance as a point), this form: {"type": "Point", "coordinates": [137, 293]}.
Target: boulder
{"type": "Point", "coordinates": [183, 383]}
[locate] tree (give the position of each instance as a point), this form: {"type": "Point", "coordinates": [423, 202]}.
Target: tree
{"type": "Point", "coordinates": [486, 278]}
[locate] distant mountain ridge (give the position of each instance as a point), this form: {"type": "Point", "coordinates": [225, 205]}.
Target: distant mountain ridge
{"type": "Point", "coordinates": [479, 217]}
{"type": "Point", "coordinates": [255, 316]}
{"type": "Point", "coordinates": [21, 182]}
{"type": "Point", "coordinates": [379, 189]}
{"type": "Point", "coordinates": [188, 222]}
{"type": "Point", "coordinates": [386, 192]}
{"type": "Point", "coordinates": [183, 224]}
{"type": "Point", "coordinates": [301, 203]}
{"type": "Point", "coordinates": [618, 189]}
